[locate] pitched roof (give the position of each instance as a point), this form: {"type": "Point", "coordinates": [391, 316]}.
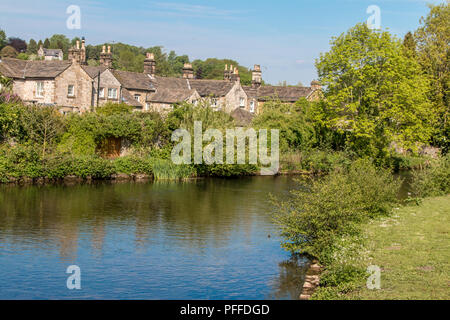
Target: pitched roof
{"type": "Point", "coordinates": [93, 71]}
{"type": "Point", "coordinates": [16, 68]}
{"type": "Point", "coordinates": [171, 83]}
{"type": "Point", "coordinates": [52, 52]}
{"type": "Point", "coordinates": [170, 95]}
{"type": "Point", "coordinates": [129, 99]}
{"type": "Point", "coordinates": [134, 80]}
{"type": "Point", "coordinates": [218, 88]}
{"type": "Point", "coordinates": [288, 94]}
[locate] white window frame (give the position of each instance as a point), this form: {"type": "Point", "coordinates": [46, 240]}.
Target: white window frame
{"type": "Point", "coordinates": [71, 94]}
{"type": "Point", "coordinates": [40, 89]}
{"type": "Point", "coordinates": [252, 106]}
{"type": "Point", "coordinates": [137, 97]}
{"type": "Point", "coordinates": [101, 92]}
{"type": "Point", "coordinates": [241, 102]}
{"type": "Point", "coordinates": [110, 93]}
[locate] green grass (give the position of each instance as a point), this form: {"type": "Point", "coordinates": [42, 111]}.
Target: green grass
{"type": "Point", "coordinates": [412, 248]}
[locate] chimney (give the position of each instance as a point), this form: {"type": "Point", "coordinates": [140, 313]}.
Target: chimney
{"type": "Point", "coordinates": [83, 52]}
{"type": "Point", "coordinates": [235, 75]}
{"type": "Point", "coordinates": [188, 71]}
{"type": "Point", "coordinates": [256, 76]}
{"type": "Point", "coordinates": [227, 73]}
{"type": "Point", "coordinates": [315, 85]}
{"type": "Point", "coordinates": [106, 57]}
{"type": "Point", "coordinates": [150, 64]}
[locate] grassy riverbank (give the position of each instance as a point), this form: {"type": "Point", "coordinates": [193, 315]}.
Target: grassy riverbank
{"type": "Point", "coordinates": [412, 247]}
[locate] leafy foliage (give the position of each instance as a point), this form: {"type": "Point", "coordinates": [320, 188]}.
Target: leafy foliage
{"type": "Point", "coordinates": [374, 95]}
{"type": "Point", "coordinates": [321, 212]}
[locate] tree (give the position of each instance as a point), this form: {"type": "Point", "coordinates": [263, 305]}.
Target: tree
{"type": "Point", "coordinates": [375, 95]}
{"type": "Point", "coordinates": [18, 44]}
{"type": "Point", "coordinates": [2, 39]}
{"type": "Point", "coordinates": [46, 43]}
{"type": "Point", "coordinates": [42, 125]}
{"type": "Point", "coordinates": [409, 44]}
{"type": "Point", "coordinates": [32, 47]}
{"type": "Point", "coordinates": [8, 52]}
{"type": "Point", "coordinates": [433, 52]}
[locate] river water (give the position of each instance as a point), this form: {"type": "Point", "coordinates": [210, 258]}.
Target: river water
{"type": "Point", "coordinates": [202, 239]}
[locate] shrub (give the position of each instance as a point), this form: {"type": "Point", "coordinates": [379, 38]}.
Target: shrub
{"type": "Point", "coordinates": [133, 165]}
{"type": "Point", "coordinates": [434, 180]}
{"type": "Point", "coordinates": [322, 211]}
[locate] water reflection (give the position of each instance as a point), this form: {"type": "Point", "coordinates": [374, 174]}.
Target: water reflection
{"type": "Point", "coordinates": [199, 239]}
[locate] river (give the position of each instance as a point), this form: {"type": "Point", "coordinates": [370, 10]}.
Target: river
{"type": "Point", "coordinates": [201, 239]}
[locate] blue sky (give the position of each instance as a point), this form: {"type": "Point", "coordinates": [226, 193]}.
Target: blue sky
{"type": "Point", "coordinates": [284, 37]}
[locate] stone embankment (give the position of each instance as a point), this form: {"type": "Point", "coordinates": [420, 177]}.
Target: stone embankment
{"type": "Point", "coordinates": [312, 280]}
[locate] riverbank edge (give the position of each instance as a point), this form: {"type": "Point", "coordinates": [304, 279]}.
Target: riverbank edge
{"type": "Point", "coordinates": [137, 177]}
{"type": "Point", "coordinates": [312, 280]}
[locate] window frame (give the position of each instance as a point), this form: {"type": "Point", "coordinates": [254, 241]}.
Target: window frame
{"type": "Point", "coordinates": [110, 90]}
{"type": "Point", "coordinates": [40, 89]}
{"type": "Point", "coordinates": [241, 102]}
{"type": "Point", "coordinates": [101, 92]}
{"type": "Point", "coordinates": [73, 90]}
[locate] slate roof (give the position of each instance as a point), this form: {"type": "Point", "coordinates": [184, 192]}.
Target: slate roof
{"type": "Point", "coordinates": [16, 68]}
{"type": "Point", "coordinates": [93, 71]}
{"type": "Point", "coordinates": [134, 80]}
{"type": "Point", "coordinates": [53, 52]}
{"type": "Point", "coordinates": [171, 83]}
{"type": "Point", "coordinates": [129, 98]}
{"type": "Point", "coordinates": [170, 95]}
{"type": "Point", "coordinates": [286, 94]}
{"type": "Point", "coordinates": [217, 88]}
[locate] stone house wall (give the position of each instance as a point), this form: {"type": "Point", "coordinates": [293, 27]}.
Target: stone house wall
{"type": "Point", "coordinates": [231, 101]}
{"type": "Point", "coordinates": [27, 90]}
{"type": "Point", "coordinates": [107, 80]}
{"type": "Point", "coordinates": [83, 95]}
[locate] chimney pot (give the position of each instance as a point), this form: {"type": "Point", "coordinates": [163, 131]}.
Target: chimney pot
{"type": "Point", "coordinates": [103, 49]}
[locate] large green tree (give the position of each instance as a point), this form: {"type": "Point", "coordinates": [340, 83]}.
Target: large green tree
{"type": "Point", "coordinates": [375, 94]}
{"type": "Point", "coordinates": [433, 48]}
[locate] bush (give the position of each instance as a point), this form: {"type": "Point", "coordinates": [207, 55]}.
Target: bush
{"type": "Point", "coordinates": [133, 165]}
{"type": "Point", "coordinates": [434, 180]}
{"type": "Point", "coordinates": [322, 211]}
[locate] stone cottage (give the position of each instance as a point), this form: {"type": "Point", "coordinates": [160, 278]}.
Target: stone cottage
{"type": "Point", "coordinates": [50, 54]}
{"type": "Point", "coordinates": [74, 86]}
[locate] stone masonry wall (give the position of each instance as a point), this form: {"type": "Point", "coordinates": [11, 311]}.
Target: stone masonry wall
{"type": "Point", "coordinates": [76, 76]}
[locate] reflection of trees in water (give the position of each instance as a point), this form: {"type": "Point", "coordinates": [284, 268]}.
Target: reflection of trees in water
{"type": "Point", "coordinates": [291, 278]}
{"type": "Point", "coordinates": [195, 214]}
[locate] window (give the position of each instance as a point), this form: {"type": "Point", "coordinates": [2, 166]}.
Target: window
{"type": "Point", "coordinates": [195, 102]}
{"type": "Point", "coordinates": [39, 89]}
{"type": "Point", "coordinates": [71, 90]}
{"type": "Point", "coordinates": [102, 93]}
{"type": "Point", "coordinates": [147, 107]}
{"type": "Point", "coordinates": [252, 106]}
{"type": "Point", "coordinates": [214, 102]}
{"type": "Point", "coordinates": [112, 93]}
{"type": "Point", "coordinates": [137, 97]}
{"type": "Point", "coordinates": [242, 102]}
